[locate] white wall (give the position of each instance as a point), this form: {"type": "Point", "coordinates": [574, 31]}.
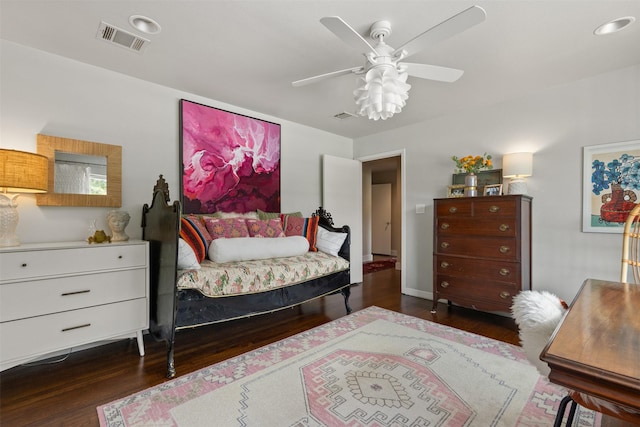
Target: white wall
{"type": "Point", "coordinates": [49, 94]}
{"type": "Point", "coordinates": [555, 124]}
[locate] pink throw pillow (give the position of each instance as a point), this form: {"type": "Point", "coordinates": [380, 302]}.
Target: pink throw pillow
{"type": "Point", "coordinates": [226, 227]}
{"type": "Point", "coordinates": [267, 228]}
{"type": "Point", "coordinates": [307, 227]}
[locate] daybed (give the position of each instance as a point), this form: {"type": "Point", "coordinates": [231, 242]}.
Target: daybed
{"type": "Point", "coordinates": [223, 296]}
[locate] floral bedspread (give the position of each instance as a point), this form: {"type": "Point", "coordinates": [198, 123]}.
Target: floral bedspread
{"type": "Point", "coordinates": [241, 277]}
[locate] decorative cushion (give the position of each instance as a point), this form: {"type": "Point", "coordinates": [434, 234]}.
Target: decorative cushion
{"type": "Point", "coordinates": [537, 313]}
{"type": "Point", "coordinates": [271, 215]}
{"type": "Point", "coordinates": [296, 226]}
{"type": "Point", "coordinates": [251, 248]}
{"type": "Point", "coordinates": [195, 235]}
{"type": "Point", "coordinates": [267, 228]}
{"type": "Point", "coordinates": [226, 215]}
{"type": "Point", "coordinates": [329, 242]}
{"type": "Point", "coordinates": [187, 257]}
{"type": "Point", "coordinates": [226, 227]}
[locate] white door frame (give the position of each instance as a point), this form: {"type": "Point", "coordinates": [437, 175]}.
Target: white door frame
{"type": "Point", "coordinates": [403, 194]}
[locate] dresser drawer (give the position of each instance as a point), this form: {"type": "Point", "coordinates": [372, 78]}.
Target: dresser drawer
{"type": "Point", "coordinates": [487, 207]}
{"type": "Point", "coordinates": [21, 265]}
{"type": "Point", "coordinates": [503, 271]}
{"type": "Point", "coordinates": [38, 297]}
{"type": "Point", "coordinates": [493, 248]}
{"type": "Point", "coordinates": [476, 226]}
{"type": "Point", "coordinates": [453, 207]}
{"type": "Point", "coordinates": [466, 288]}
{"type": "Point", "coordinates": [45, 334]}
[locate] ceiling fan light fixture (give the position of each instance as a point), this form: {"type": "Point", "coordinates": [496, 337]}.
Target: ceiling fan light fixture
{"type": "Point", "coordinates": [614, 26]}
{"type": "Point", "coordinates": [382, 92]}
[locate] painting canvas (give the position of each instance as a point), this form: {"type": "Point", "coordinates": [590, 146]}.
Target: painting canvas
{"type": "Point", "coordinates": [230, 162]}
{"type": "Point", "coordinates": [611, 185]}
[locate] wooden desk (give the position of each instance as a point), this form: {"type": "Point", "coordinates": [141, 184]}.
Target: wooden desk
{"type": "Point", "coordinates": [596, 348]}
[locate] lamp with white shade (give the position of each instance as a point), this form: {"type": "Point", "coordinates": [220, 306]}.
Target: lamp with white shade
{"type": "Point", "coordinates": [20, 172]}
{"type": "Point", "coordinates": [517, 166]}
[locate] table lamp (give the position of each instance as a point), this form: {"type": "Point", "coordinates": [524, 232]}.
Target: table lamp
{"type": "Point", "coordinates": [20, 172]}
{"type": "Point", "coordinates": [517, 166]}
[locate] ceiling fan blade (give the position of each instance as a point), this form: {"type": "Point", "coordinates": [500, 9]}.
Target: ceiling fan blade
{"type": "Point", "coordinates": [314, 79]}
{"type": "Point", "coordinates": [433, 72]}
{"type": "Point", "coordinates": [452, 26]}
{"type": "Point", "coordinates": [337, 26]}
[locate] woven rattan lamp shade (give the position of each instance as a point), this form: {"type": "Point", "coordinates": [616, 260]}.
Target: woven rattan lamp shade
{"type": "Point", "coordinates": [22, 172]}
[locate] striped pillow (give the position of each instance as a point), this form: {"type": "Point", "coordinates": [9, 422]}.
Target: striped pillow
{"type": "Point", "coordinates": [196, 236]}
{"type": "Point", "coordinates": [296, 226]}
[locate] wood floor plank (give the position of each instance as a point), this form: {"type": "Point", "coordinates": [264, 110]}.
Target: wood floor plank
{"type": "Point", "coordinates": [67, 393]}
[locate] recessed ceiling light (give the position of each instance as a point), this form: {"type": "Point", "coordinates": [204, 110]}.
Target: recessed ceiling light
{"type": "Point", "coordinates": [144, 24]}
{"type": "Point", "coordinates": [614, 26]}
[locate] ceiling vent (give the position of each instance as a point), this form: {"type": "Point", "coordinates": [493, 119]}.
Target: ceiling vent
{"type": "Point", "coordinates": [119, 37]}
{"type": "Point", "coordinates": [344, 115]}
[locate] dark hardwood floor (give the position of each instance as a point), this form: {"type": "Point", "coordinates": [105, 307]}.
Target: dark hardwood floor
{"type": "Point", "coordinates": [67, 393]}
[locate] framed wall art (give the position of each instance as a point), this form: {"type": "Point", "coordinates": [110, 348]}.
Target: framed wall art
{"type": "Point", "coordinates": [229, 162]}
{"type": "Point", "coordinates": [485, 177]}
{"type": "Point", "coordinates": [611, 185]}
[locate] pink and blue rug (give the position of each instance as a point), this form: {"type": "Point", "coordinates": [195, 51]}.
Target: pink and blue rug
{"type": "Point", "coordinates": [372, 368]}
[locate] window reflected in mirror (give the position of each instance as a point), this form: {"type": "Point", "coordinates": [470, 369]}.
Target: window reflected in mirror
{"type": "Point", "coordinates": [80, 174]}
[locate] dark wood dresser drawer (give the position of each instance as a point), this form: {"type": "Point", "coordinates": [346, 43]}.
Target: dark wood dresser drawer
{"type": "Point", "coordinates": [457, 289]}
{"type": "Point", "coordinates": [476, 227]}
{"type": "Point", "coordinates": [478, 268]}
{"type": "Point", "coordinates": [495, 248]}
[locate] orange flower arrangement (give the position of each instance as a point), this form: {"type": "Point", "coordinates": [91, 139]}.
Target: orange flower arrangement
{"type": "Point", "coordinates": [473, 164]}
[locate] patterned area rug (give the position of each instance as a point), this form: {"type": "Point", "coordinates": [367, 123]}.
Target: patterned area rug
{"type": "Point", "coordinates": [372, 368]}
{"type": "Point", "coordinates": [373, 266]}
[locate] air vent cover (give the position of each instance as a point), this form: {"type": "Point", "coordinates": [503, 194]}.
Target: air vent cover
{"type": "Point", "coordinates": [119, 37]}
{"type": "Point", "coordinates": [344, 115]}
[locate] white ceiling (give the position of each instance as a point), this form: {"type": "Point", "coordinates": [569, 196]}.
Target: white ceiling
{"type": "Point", "coordinates": [247, 53]}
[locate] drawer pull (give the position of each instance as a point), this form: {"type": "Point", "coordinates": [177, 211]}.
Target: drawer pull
{"type": "Point", "coordinates": [444, 225]}
{"type": "Point", "coordinates": [494, 208]}
{"type": "Point", "coordinates": [444, 245]}
{"type": "Point", "coordinates": [66, 294]}
{"type": "Point", "coordinates": [444, 284]}
{"type": "Point", "coordinates": [505, 249]}
{"type": "Point", "coordinates": [444, 264]}
{"type": "Point", "coordinates": [504, 227]}
{"type": "Point", "coordinates": [505, 272]}
{"type": "Point", "coordinates": [504, 294]}
{"type": "Point", "coordinates": [453, 209]}
{"type": "Point", "coordinates": [86, 325]}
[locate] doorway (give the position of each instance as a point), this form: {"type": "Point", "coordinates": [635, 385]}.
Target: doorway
{"type": "Point", "coordinates": [384, 168]}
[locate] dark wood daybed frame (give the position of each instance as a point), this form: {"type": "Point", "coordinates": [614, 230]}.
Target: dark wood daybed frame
{"type": "Point", "coordinates": [172, 309]}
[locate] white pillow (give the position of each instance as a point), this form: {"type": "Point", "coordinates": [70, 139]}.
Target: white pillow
{"type": "Point", "coordinates": [186, 257]}
{"type": "Point", "coordinates": [329, 242]}
{"type": "Point", "coordinates": [250, 248]}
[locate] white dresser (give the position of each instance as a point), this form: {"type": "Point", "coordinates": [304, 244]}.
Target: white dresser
{"type": "Point", "coordinates": [55, 296]}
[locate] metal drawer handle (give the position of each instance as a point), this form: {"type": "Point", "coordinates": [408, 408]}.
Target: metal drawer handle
{"type": "Point", "coordinates": [444, 245]}
{"type": "Point", "coordinates": [76, 327]}
{"type": "Point", "coordinates": [505, 249]}
{"type": "Point", "coordinates": [453, 209]}
{"type": "Point", "coordinates": [444, 226]}
{"type": "Point", "coordinates": [505, 271]}
{"type": "Point", "coordinates": [504, 227]}
{"type": "Point", "coordinates": [86, 291]}
{"type": "Point", "coordinates": [494, 208]}
{"type": "Point", "coordinates": [504, 294]}
{"type": "Point", "coordinates": [444, 284]}
{"type": "Point", "coordinates": [444, 264]}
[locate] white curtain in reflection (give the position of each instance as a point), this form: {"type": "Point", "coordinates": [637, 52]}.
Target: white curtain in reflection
{"type": "Point", "coordinates": [72, 179]}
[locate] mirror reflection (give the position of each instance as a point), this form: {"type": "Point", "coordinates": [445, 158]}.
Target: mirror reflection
{"type": "Point", "coordinates": [80, 174]}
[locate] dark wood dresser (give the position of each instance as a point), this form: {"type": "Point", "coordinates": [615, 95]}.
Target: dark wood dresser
{"type": "Point", "coordinates": [481, 250]}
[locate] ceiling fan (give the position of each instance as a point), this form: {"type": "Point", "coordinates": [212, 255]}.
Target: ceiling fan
{"type": "Point", "coordinates": [383, 88]}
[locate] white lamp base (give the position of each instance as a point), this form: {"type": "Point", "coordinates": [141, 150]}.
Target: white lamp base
{"type": "Point", "coordinates": [8, 220]}
{"type": "Point", "coordinates": [517, 186]}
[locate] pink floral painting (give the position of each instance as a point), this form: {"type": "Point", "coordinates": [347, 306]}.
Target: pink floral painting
{"type": "Point", "coordinates": [230, 162]}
